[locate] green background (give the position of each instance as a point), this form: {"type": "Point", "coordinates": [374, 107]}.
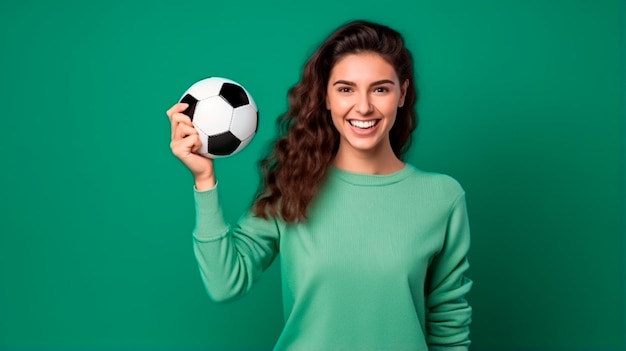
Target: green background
{"type": "Point", "coordinates": [522, 102]}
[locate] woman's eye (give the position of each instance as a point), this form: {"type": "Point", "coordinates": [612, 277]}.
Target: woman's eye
{"type": "Point", "coordinates": [344, 89]}
{"type": "Point", "coordinates": [381, 89]}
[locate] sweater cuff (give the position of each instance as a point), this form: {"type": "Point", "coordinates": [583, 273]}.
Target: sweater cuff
{"type": "Point", "coordinates": [210, 223]}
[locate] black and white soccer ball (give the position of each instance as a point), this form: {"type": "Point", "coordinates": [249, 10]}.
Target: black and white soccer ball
{"type": "Point", "coordinates": [223, 113]}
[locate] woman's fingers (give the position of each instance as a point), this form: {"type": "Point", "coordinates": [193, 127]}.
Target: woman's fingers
{"type": "Point", "coordinates": [177, 120]}
{"type": "Point", "coordinates": [183, 129]}
{"type": "Point", "coordinates": [185, 143]}
{"type": "Point", "coordinates": [177, 108]}
{"type": "Point", "coordinates": [175, 115]}
{"type": "Point", "coordinates": [184, 146]}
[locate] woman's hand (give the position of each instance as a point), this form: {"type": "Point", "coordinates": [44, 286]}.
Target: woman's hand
{"type": "Point", "coordinates": [185, 143]}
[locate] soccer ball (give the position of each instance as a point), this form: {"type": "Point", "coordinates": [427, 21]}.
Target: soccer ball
{"type": "Point", "coordinates": [224, 115]}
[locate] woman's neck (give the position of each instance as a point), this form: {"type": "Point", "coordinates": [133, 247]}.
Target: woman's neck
{"type": "Point", "coordinates": [383, 161]}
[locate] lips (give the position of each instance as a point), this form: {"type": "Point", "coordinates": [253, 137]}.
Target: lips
{"type": "Point", "coordinates": [371, 123]}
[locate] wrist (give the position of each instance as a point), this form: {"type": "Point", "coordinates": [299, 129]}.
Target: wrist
{"type": "Point", "coordinates": [204, 183]}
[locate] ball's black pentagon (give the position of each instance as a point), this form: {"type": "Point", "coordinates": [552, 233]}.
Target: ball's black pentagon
{"type": "Point", "coordinates": [234, 95]}
{"type": "Point", "coordinates": [192, 101]}
{"type": "Point", "coordinates": [222, 144]}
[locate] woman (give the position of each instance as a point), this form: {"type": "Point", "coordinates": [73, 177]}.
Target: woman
{"type": "Point", "coordinates": [373, 250]}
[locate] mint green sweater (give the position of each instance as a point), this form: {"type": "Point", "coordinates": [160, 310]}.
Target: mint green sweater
{"type": "Point", "coordinates": [379, 264]}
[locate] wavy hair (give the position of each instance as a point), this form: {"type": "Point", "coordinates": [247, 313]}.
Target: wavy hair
{"type": "Point", "coordinates": [295, 169]}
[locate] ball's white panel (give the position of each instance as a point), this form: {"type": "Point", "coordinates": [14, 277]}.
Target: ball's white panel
{"type": "Point", "coordinates": [244, 121]}
{"type": "Point", "coordinates": [206, 88]}
{"type": "Point", "coordinates": [243, 144]}
{"type": "Point", "coordinates": [203, 149]}
{"type": "Point", "coordinates": [213, 115]}
{"type": "Point", "coordinates": [220, 156]}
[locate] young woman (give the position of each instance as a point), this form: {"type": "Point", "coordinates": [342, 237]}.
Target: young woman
{"type": "Point", "coordinates": [373, 250]}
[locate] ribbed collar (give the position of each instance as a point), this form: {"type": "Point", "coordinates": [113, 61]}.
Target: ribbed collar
{"type": "Point", "coordinates": [365, 179]}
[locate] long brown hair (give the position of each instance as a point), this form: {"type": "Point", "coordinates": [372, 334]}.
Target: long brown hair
{"type": "Point", "coordinates": [295, 169]}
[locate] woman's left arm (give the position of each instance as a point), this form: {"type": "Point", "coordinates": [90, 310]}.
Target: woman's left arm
{"type": "Point", "coordinates": [448, 312]}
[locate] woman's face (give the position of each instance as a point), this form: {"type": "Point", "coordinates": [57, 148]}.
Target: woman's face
{"type": "Point", "coordinates": [363, 96]}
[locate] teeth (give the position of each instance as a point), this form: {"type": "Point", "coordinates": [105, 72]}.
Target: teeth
{"type": "Point", "coordinates": [363, 124]}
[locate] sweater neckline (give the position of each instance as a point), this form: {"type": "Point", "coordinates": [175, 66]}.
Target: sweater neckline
{"type": "Point", "coordinates": [365, 179]}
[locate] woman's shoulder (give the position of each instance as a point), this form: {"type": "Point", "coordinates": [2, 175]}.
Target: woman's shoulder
{"type": "Point", "coordinates": [436, 181]}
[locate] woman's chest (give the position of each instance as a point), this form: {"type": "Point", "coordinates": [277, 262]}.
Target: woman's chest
{"type": "Point", "coordinates": [364, 237]}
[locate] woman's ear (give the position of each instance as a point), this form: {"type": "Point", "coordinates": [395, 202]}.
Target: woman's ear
{"type": "Point", "coordinates": [403, 90]}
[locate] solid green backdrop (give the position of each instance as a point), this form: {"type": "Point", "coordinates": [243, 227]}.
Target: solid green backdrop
{"type": "Point", "coordinates": [520, 101]}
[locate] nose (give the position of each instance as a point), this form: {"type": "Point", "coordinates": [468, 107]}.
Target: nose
{"type": "Point", "coordinates": [364, 105]}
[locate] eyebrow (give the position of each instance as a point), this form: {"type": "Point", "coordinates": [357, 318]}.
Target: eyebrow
{"type": "Point", "coordinates": [378, 82]}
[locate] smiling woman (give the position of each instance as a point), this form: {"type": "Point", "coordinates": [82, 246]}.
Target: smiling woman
{"type": "Point", "coordinates": [364, 94]}
{"type": "Point", "coordinates": [293, 179]}
{"type": "Point", "coordinates": [373, 250]}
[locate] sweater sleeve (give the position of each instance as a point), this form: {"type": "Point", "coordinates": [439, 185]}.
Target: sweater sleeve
{"type": "Point", "coordinates": [448, 312]}
{"type": "Point", "coordinates": [231, 259]}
